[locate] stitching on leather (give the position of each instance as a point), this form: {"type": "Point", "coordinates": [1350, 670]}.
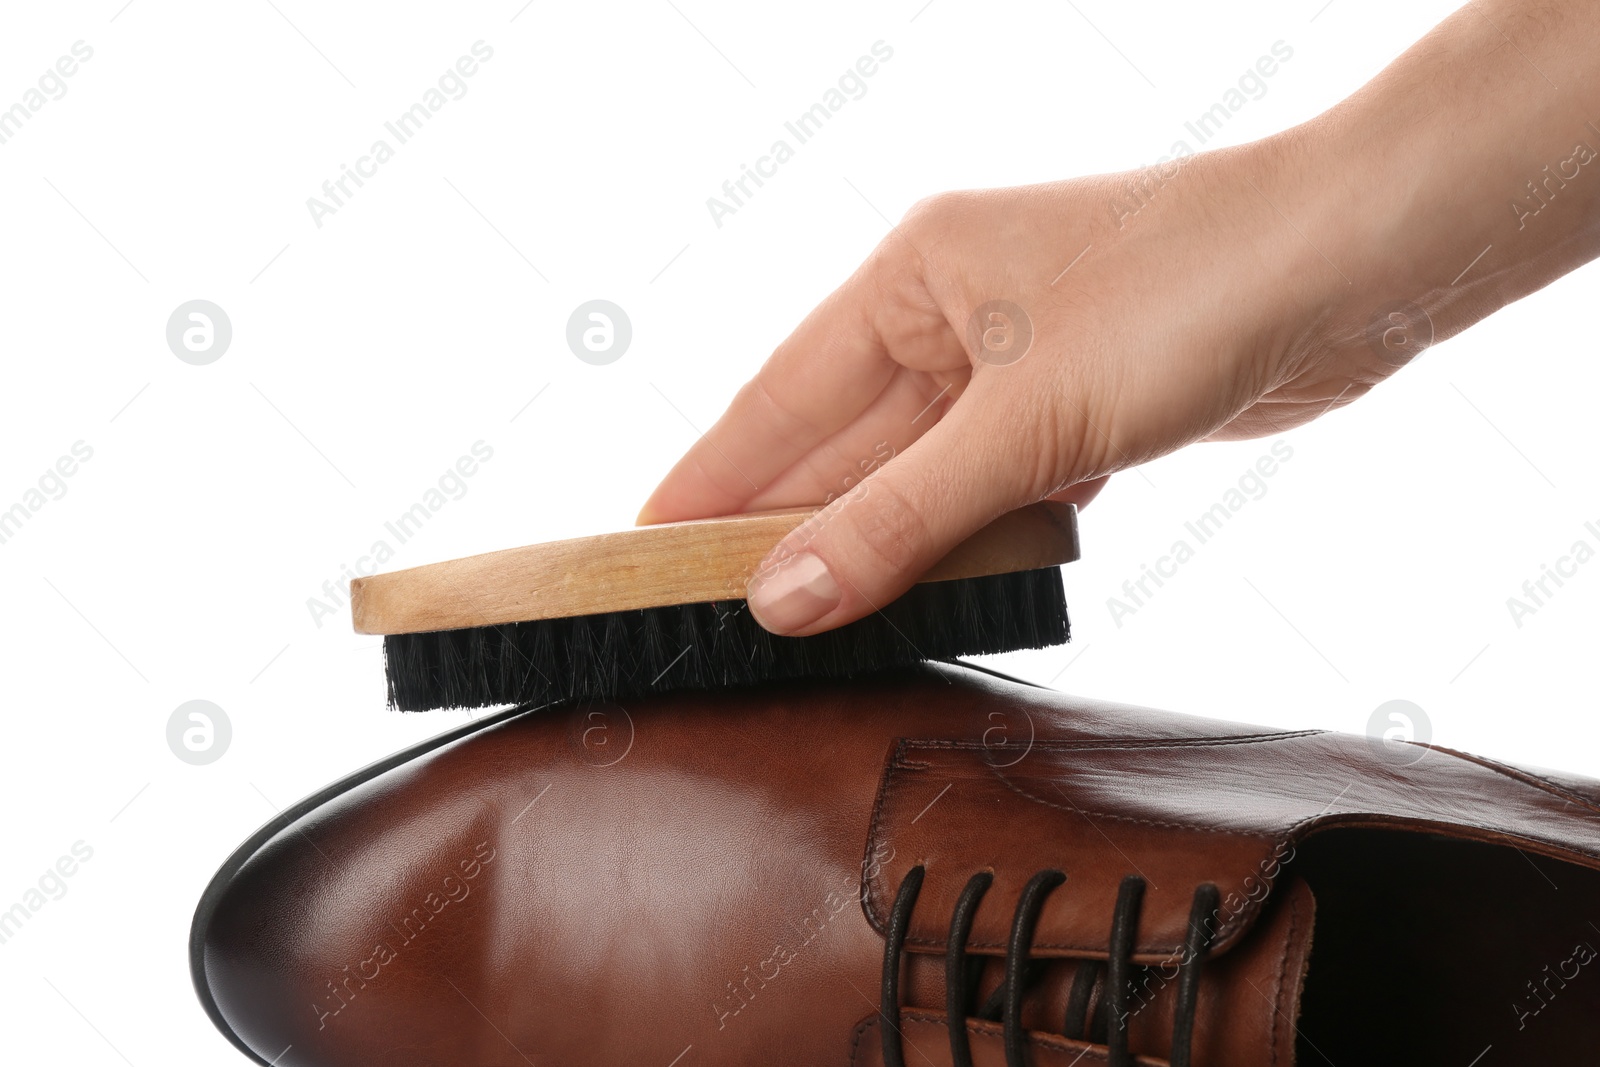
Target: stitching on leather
{"type": "Point", "coordinates": [1046, 802]}
{"type": "Point", "coordinates": [1283, 970]}
{"type": "Point", "coordinates": [1128, 745]}
{"type": "Point", "coordinates": [861, 1031]}
{"type": "Point", "coordinates": [1228, 929]}
{"type": "Point", "coordinates": [1526, 777]}
{"type": "Point", "coordinates": [898, 761]}
{"type": "Point", "coordinates": [1241, 919]}
{"type": "Point", "coordinates": [869, 898]}
{"type": "Point", "coordinates": [1032, 1037]}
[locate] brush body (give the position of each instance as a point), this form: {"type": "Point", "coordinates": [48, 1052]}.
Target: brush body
{"type": "Point", "coordinates": [659, 608]}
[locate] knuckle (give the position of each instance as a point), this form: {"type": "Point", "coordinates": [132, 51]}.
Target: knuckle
{"type": "Point", "coordinates": [760, 397]}
{"type": "Point", "coordinates": [940, 208]}
{"type": "Point", "coordinates": [892, 261]}
{"type": "Point", "coordinates": [929, 208]}
{"type": "Point", "coordinates": [929, 221]}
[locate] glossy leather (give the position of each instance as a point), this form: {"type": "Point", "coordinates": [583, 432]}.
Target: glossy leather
{"type": "Point", "coordinates": [704, 879]}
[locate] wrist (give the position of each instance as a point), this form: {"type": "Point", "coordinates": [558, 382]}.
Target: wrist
{"type": "Point", "coordinates": [1454, 183]}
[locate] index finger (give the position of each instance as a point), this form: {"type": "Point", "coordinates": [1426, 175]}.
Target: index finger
{"type": "Point", "coordinates": [815, 383]}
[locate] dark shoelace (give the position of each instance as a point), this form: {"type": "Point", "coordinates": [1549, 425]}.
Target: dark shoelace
{"type": "Point", "coordinates": [1110, 1025]}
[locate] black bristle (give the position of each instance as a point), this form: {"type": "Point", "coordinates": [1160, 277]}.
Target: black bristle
{"type": "Point", "coordinates": [626, 654]}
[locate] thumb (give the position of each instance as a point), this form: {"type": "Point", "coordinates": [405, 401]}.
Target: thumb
{"type": "Point", "coordinates": [870, 545]}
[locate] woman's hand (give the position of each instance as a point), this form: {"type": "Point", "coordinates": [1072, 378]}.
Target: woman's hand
{"type": "Point", "coordinates": [1004, 346]}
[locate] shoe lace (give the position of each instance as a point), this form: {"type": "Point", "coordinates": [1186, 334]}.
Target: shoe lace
{"type": "Point", "coordinates": [1110, 1025]}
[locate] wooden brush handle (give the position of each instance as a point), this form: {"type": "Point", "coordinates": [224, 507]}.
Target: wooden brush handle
{"type": "Point", "coordinates": [656, 566]}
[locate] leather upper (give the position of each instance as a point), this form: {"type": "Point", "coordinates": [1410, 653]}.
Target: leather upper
{"type": "Point", "coordinates": [704, 878]}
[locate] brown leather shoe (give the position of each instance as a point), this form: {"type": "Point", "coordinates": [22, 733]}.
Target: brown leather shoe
{"type": "Point", "coordinates": [938, 867]}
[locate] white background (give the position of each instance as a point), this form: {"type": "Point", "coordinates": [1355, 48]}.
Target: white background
{"type": "Point", "coordinates": [370, 353]}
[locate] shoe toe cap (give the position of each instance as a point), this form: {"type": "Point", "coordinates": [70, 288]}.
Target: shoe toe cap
{"type": "Point", "coordinates": [333, 939]}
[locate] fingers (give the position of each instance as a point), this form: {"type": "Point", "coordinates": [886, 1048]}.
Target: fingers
{"type": "Point", "coordinates": [823, 376]}
{"type": "Point", "coordinates": [869, 546]}
{"type": "Point", "coordinates": [1081, 493]}
{"type": "Point", "coordinates": [905, 409]}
